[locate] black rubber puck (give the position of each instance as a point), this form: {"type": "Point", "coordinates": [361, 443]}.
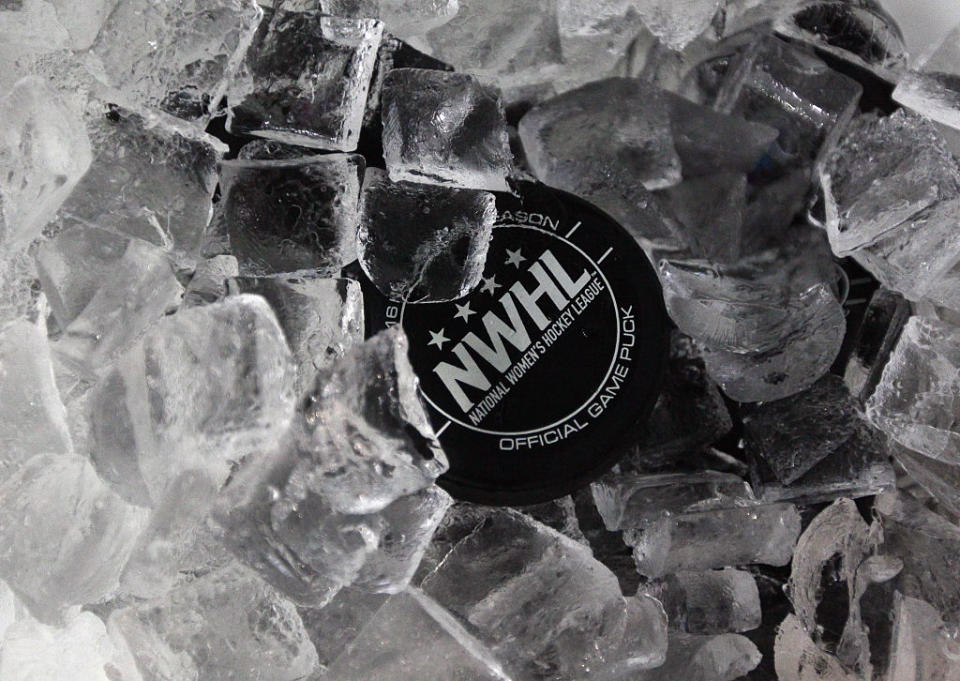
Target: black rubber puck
{"type": "Point", "coordinates": [537, 382]}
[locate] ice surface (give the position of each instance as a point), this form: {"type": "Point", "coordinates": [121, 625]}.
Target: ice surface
{"type": "Point", "coordinates": [709, 602]}
{"type": "Point", "coordinates": [81, 650]}
{"type": "Point", "coordinates": [133, 293]}
{"type": "Point", "coordinates": [289, 215]}
{"type": "Point", "coordinates": [203, 388]}
{"type": "Point", "coordinates": [932, 86]}
{"type": "Point", "coordinates": [789, 88]}
{"type": "Point", "coordinates": [225, 626]}
{"type": "Point", "coordinates": [305, 79]}
{"type": "Point", "coordinates": [405, 19]}
{"type": "Point", "coordinates": [176, 56]}
{"type": "Point", "coordinates": [709, 539]}
{"type": "Point", "coordinates": [444, 128]}
{"type": "Point", "coordinates": [209, 281]}
{"type": "Point", "coordinates": [627, 499]}
{"type": "Point", "coordinates": [31, 22]}
{"type": "Point", "coordinates": [64, 535]}
{"type": "Point", "coordinates": [420, 242]}
{"type": "Point", "coordinates": [151, 177]}
{"type": "Point", "coordinates": [510, 565]}
{"type": "Point", "coordinates": [412, 638]}
{"type": "Point", "coordinates": [334, 626]}
{"type": "Point", "coordinates": [32, 417]}
{"type": "Point", "coordinates": [321, 318]}
{"type": "Point", "coordinates": [916, 402]}
{"type": "Point", "coordinates": [708, 658]}
{"type": "Point", "coordinates": [922, 648]}
{"type": "Point", "coordinates": [44, 151]}
{"type": "Point", "coordinates": [876, 337]}
{"type": "Point", "coordinates": [711, 209]}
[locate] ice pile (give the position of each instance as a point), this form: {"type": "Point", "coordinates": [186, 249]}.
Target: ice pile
{"type": "Point", "coordinates": [209, 471]}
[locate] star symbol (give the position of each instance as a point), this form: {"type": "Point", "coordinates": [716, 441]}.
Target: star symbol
{"type": "Point", "coordinates": [463, 312]}
{"type": "Point", "coordinates": [490, 285]}
{"type": "Point", "coordinates": [514, 258]}
{"type": "Point", "coordinates": [438, 339]}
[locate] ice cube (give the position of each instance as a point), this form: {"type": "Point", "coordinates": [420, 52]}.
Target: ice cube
{"type": "Point", "coordinates": [151, 177]}
{"type": "Point", "coordinates": [711, 658]}
{"type": "Point", "coordinates": [334, 626]}
{"type": "Point", "coordinates": [32, 420]}
{"type": "Point", "coordinates": [321, 318]}
{"type": "Point", "coordinates": [916, 402]}
{"type": "Point", "coordinates": [709, 602]}
{"type": "Point", "coordinates": [133, 293]}
{"type": "Point", "coordinates": [224, 626]}
{"type": "Point", "coordinates": [209, 281]}
{"type": "Point", "coordinates": [709, 539]}
{"type": "Point", "coordinates": [790, 89]}
{"type": "Point", "coordinates": [798, 658]}
{"type": "Point", "coordinates": [305, 79]}
{"type": "Point", "coordinates": [444, 128]}
{"type": "Point", "coordinates": [65, 536]}
{"type": "Point", "coordinates": [420, 242]}
{"type": "Point", "coordinates": [176, 56]}
{"type": "Point", "coordinates": [634, 500]}
{"type": "Point", "coordinates": [291, 215]}
{"type": "Point", "coordinates": [559, 514]}
{"type": "Point", "coordinates": [405, 19]}
{"type": "Point", "coordinates": [81, 650]}
{"type": "Point", "coordinates": [875, 338]}
{"type": "Point", "coordinates": [932, 86]}
{"type": "Point", "coordinates": [922, 649]}
{"type": "Point", "coordinates": [677, 23]}
{"type": "Point", "coordinates": [941, 480]}
{"type": "Point", "coordinates": [203, 388]}
{"type": "Point", "coordinates": [31, 23]}
{"type": "Point", "coordinates": [19, 297]}
{"type": "Point", "coordinates": [412, 638]}
{"type": "Point", "coordinates": [44, 151]}
{"type": "Point", "coordinates": [711, 208]}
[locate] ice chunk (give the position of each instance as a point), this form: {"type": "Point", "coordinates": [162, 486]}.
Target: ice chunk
{"type": "Point", "coordinates": [709, 602]}
{"type": "Point", "coordinates": [44, 151]}
{"type": "Point", "coordinates": [711, 658]}
{"type": "Point", "coordinates": [405, 19]}
{"type": "Point", "coordinates": [152, 177]}
{"type": "Point", "coordinates": [290, 215]}
{"type": "Point", "coordinates": [794, 434]}
{"type": "Point", "coordinates": [64, 535]}
{"type": "Point", "coordinates": [941, 480]}
{"type": "Point", "coordinates": [305, 79]}
{"type": "Point", "coordinates": [321, 318]}
{"type": "Point", "coordinates": [923, 649]}
{"type": "Point", "coordinates": [175, 56]}
{"type": "Point", "coordinates": [444, 128]}
{"type": "Point", "coordinates": [790, 89]}
{"type": "Point", "coordinates": [559, 514]}
{"type": "Point", "coordinates": [798, 658]}
{"type": "Point", "coordinates": [334, 626]}
{"type": "Point", "coordinates": [874, 339]}
{"type": "Point", "coordinates": [81, 650]}
{"type": "Point", "coordinates": [510, 565]}
{"type": "Point", "coordinates": [218, 382]}
{"type": "Point", "coordinates": [224, 626]}
{"type": "Point", "coordinates": [711, 208]}
{"type": "Point", "coordinates": [916, 402]}
{"type": "Point", "coordinates": [32, 419]}
{"type": "Point", "coordinates": [209, 281]}
{"type": "Point", "coordinates": [135, 292]}
{"type": "Point", "coordinates": [932, 87]}
{"type": "Point", "coordinates": [423, 243]}
{"type": "Point", "coordinates": [412, 638]}
{"type": "Point", "coordinates": [708, 539]}
{"type": "Point", "coordinates": [677, 23]}
{"type": "Point", "coordinates": [633, 500]}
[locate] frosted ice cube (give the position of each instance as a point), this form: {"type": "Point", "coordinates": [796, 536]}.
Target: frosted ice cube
{"type": "Point", "coordinates": [209, 281]}
{"type": "Point", "coordinates": [224, 626]}
{"type": "Point", "coordinates": [677, 23]}
{"type": "Point", "coordinates": [405, 19]}
{"type": "Point", "coordinates": [305, 79]}
{"type": "Point", "coordinates": [712, 658]}
{"type": "Point", "coordinates": [44, 151]}
{"type": "Point", "coordinates": [922, 648]}
{"type": "Point", "coordinates": [175, 56]}
{"type": "Point", "coordinates": [709, 602]}
{"type": "Point", "coordinates": [289, 215]}
{"type": "Point", "coordinates": [151, 177]}
{"type": "Point", "coordinates": [708, 539]}
{"type": "Point", "coordinates": [420, 242]}
{"type": "Point", "coordinates": [932, 86]}
{"type": "Point", "coordinates": [64, 535]}
{"type": "Point", "coordinates": [412, 638]}
{"type": "Point", "coordinates": [321, 318]}
{"type": "Point", "coordinates": [32, 419]}
{"type": "Point", "coordinates": [916, 402]}
{"type": "Point", "coordinates": [444, 128]}
{"type": "Point", "coordinates": [203, 388]}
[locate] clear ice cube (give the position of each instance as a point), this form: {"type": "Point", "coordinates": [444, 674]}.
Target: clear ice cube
{"type": "Point", "coordinates": [724, 657]}
{"type": "Point", "coordinates": [176, 56]}
{"type": "Point", "coordinates": [709, 602]}
{"type": "Point", "coordinates": [444, 128]}
{"type": "Point", "coordinates": [44, 152]}
{"type": "Point", "coordinates": [289, 215]}
{"type": "Point", "coordinates": [334, 626]}
{"type": "Point", "coordinates": [65, 536]}
{"type": "Point", "coordinates": [423, 243]}
{"type": "Point", "coordinates": [305, 79]}
{"type": "Point", "coordinates": [932, 86]}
